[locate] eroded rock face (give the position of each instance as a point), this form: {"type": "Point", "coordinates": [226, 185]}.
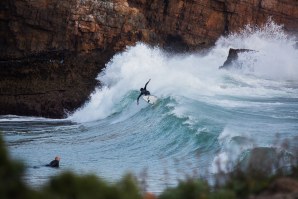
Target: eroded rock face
{"type": "Point", "coordinates": [88, 32]}
{"type": "Point", "coordinates": [196, 23]}
{"type": "Point", "coordinates": [85, 25]}
{"type": "Point", "coordinates": [48, 85]}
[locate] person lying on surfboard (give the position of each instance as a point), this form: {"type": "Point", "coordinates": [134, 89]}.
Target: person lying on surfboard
{"type": "Point", "coordinates": [54, 163]}
{"type": "Point", "coordinates": [143, 92]}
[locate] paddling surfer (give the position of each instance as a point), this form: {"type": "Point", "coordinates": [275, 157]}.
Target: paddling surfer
{"type": "Point", "coordinates": [54, 163]}
{"type": "Point", "coordinates": [143, 92]}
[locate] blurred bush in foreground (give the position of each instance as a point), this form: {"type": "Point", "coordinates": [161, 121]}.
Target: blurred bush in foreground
{"type": "Point", "coordinates": [11, 172]}
{"type": "Point", "coordinates": [238, 184]}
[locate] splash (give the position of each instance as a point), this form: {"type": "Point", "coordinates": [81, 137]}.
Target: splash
{"type": "Point", "coordinates": [274, 56]}
{"type": "Point", "coordinates": [265, 72]}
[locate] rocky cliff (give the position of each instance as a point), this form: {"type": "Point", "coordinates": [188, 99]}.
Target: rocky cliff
{"type": "Point", "coordinates": [52, 50]}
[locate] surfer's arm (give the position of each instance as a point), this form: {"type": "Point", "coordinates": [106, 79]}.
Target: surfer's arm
{"type": "Point", "coordinates": [146, 84]}
{"type": "Point", "coordinates": [139, 98]}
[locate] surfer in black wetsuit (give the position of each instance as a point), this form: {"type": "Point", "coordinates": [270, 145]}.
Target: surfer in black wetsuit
{"type": "Point", "coordinates": [143, 92]}
{"type": "Point", "coordinates": [54, 163]}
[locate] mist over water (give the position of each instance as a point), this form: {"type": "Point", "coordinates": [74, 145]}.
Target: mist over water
{"type": "Point", "coordinates": [270, 70]}
{"type": "Point", "coordinates": [203, 116]}
{"type": "Point", "coordinates": [275, 57]}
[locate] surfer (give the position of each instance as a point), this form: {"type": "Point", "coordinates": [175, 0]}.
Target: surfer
{"type": "Point", "coordinates": [143, 92]}
{"type": "Point", "coordinates": [54, 163]}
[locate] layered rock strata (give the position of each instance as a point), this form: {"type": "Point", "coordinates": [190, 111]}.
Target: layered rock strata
{"type": "Point", "coordinates": [51, 50]}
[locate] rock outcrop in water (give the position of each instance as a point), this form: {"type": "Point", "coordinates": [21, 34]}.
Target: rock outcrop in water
{"type": "Point", "coordinates": [51, 50]}
{"type": "Point", "coordinates": [232, 57]}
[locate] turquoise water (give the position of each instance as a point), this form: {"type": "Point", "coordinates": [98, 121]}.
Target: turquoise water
{"type": "Point", "coordinates": [205, 119]}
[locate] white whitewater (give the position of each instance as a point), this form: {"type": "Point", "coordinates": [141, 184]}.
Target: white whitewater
{"type": "Point", "coordinates": [204, 116]}
{"type": "Point", "coordinates": [267, 72]}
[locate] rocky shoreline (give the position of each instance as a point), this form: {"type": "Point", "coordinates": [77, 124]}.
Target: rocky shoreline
{"type": "Point", "coordinates": [48, 85]}
{"type": "Point", "coordinates": [52, 50]}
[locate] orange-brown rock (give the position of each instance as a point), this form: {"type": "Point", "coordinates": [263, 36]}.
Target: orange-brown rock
{"type": "Point", "coordinates": [279, 189]}
{"type": "Point", "coordinates": [96, 29]}
{"type": "Point", "coordinates": [85, 25]}
{"type": "Point", "coordinates": [149, 195]}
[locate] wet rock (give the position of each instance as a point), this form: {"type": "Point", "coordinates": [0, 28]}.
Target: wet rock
{"type": "Point", "coordinates": [48, 85]}
{"type": "Point", "coordinates": [232, 57]}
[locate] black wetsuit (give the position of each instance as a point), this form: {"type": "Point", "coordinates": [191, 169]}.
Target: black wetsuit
{"type": "Point", "coordinates": [143, 92]}
{"type": "Point", "coordinates": [54, 163]}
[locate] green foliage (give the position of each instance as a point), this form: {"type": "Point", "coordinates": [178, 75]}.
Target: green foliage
{"type": "Point", "coordinates": [128, 188]}
{"type": "Point", "coordinates": [70, 186]}
{"type": "Point", "coordinates": [247, 183]}
{"type": "Point", "coordinates": [11, 184]}
{"type": "Point", "coordinates": [294, 172]}
{"type": "Point", "coordinates": [66, 185]}
{"type": "Point", "coordinates": [190, 189]}
{"type": "Point", "coordinates": [223, 194]}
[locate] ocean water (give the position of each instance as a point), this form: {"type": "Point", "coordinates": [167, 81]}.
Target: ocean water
{"type": "Point", "coordinates": [205, 120]}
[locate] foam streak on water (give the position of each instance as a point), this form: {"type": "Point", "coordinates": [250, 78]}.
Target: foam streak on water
{"type": "Point", "coordinates": [202, 117]}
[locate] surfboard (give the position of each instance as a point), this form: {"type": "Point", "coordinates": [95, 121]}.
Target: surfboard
{"type": "Point", "coordinates": [151, 99]}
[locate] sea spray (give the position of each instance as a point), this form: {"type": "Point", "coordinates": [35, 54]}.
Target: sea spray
{"type": "Point", "coordinates": [129, 71]}
{"type": "Point", "coordinates": [273, 54]}
{"type": "Point", "coordinates": [205, 117]}
{"type": "Point", "coordinates": [196, 85]}
{"type": "Point", "coordinates": [265, 72]}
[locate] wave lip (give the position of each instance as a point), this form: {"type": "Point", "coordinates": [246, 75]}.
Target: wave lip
{"type": "Point", "coordinates": [201, 109]}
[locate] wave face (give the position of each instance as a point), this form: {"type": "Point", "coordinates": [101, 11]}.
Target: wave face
{"type": "Point", "coordinates": [205, 119]}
